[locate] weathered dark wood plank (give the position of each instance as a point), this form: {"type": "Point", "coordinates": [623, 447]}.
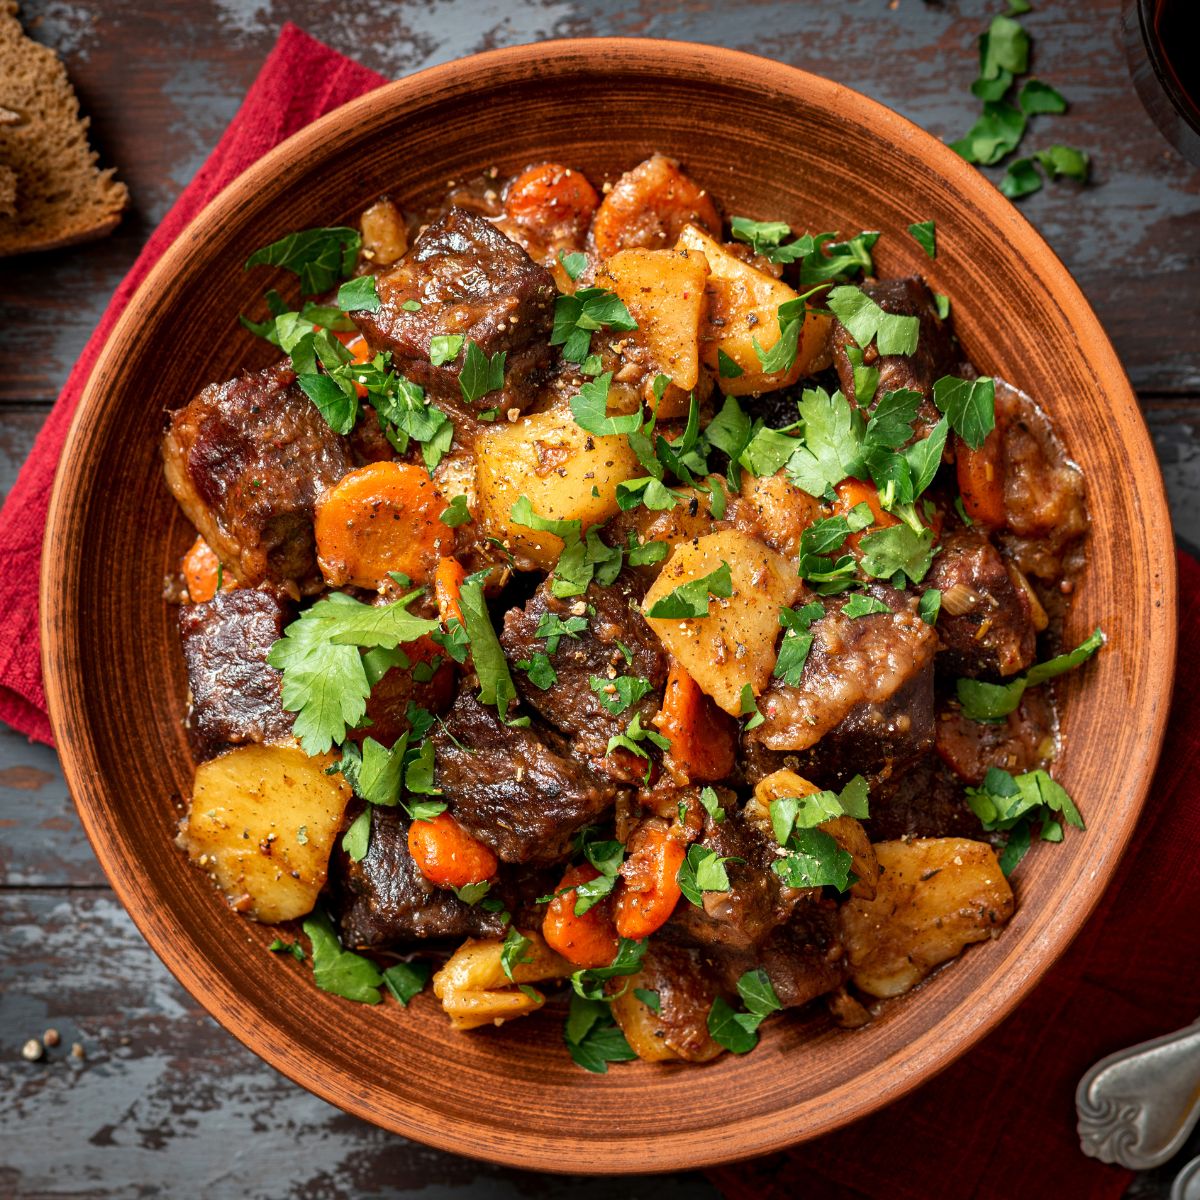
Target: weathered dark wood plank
{"type": "Point", "coordinates": [160, 92]}
{"type": "Point", "coordinates": [166, 1103]}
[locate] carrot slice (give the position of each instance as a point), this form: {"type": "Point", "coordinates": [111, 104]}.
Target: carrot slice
{"type": "Point", "coordinates": [382, 517]}
{"type": "Point", "coordinates": [649, 891]}
{"type": "Point", "coordinates": [201, 571]}
{"type": "Point", "coordinates": [447, 589]}
{"type": "Point", "coordinates": [448, 855]}
{"type": "Point", "coordinates": [702, 737]}
{"type": "Point", "coordinates": [981, 479]}
{"type": "Point", "coordinates": [553, 201]}
{"type": "Point", "coordinates": [589, 940]}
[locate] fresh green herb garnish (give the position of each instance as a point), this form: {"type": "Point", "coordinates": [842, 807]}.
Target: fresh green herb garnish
{"type": "Point", "coordinates": [495, 682]}
{"type": "Point", "coordinates": [650, 998]}
{"type": "Point", "coordinates": [359, 295]}
{"type": "Point", "coordinates": [455, 513]}
{"type": "Point", "coordinates": [726, 367]}
{"type": "Point", "coordinates": [929, 606]}
{"type": "Point", "coordinates": [925, 234]}
{"type": "Point", "coordinates": [589, 984]}
{"type": "Point", "coordinates": [691, 600]}
{"type": "Point", "coordinates": [406, 980]}
{"type": "Point", "coordinates": [712, 805]}
{"type": "Point", "coordinates": [320, 257]}
{"type": "Point", "coordinates": [782, 355]}
{"type": "Point", "coordinates": [865, 321]}
{"type": "Point", "coordinates": [552, 627]}
{"type": "Point", "coordinates": [293, 948]}
{"type": "Point", "coordinates": [703, 870]}
{"type": "Point", "coordinates": [324, 681]}
{"type": "Point", "coordinates": [738, 1031]}
{"type": "Point", "coordinates": [863, 606]}
{"type": "Point", "coordinates": [515, 951]}
{"type": "Point", "coordinates": [634, 736]}
{"type": "Point", "coordinates": [573, 263]}
{"type": "Point", "coordinates": [481, 375]}
{"type": "Point", "coordinates": [982, 701]}
{"type": "Point", "coordinates": [748, 707]}
{"type": "Point", "coordinates": [969, 405]}
{"type": "Point", "coordinates": [590, 410]}
{"type": "Point", "coordinates": [444, 348]}
{"type": "Point", "coordinates": [797, 641]}
{"type": "Point", "coordinates": [577, 317]}
{"type": "Point", "coordinates": [592, 1037]}
{"type": "Point", "coordinates": [339, 971]}
{"type": "Point", "coordinates": [616, 695]}
{"type": "Point", "coordinates": [539, 671]}
{"type": "Point", "coordinates": [1005, 802]}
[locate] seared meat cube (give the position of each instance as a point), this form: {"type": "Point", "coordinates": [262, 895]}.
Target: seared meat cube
{"type": "Point", "coordinates": [803, 959]}
{"type": "Point", "coordinates": [937, 352]}
{"type": "Point", "coordinates": [1025, 740]}
{"type": "Point", "coordinates": [1045, 498]}
{"type": "Point", "coordinates": [388, 901]}
{"type": "Point", "coordinates": [757, 901]}
{"type": "Point", "coordinates": [473, 282]}
{"type": "Point", "coordinates": [517, 790]}
{"type": "Point", "coordinates": [985, 624]}
{"type": "Point", "coordinates": [247, 460]}
{"type": "Point", "coordinates": [854, 661]}
{"type": "Point", "coordinates": [926, 800]}
{"type": "Point", "coordinates": [235, 695]}
{"type": "Point", "coordinates": [614, 621]}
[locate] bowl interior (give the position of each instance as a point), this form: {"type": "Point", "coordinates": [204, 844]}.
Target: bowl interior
{"type": "Point", "coordinates": [769, 142]}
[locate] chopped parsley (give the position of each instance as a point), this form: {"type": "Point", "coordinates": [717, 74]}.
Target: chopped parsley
{"type": "Point", "coordinates": [577, 317]}
{"type": "Point", "coordinates": [573, 263]}
{"type": "Point", "coordinates": [592, 1036]}
{"type": "Point", "coordinates": [515, 951]}
{"type": "Point", "coordinates": [865, 321]}
{"type": "Point", "coordinates": [324, 680]}
{"type": "Point", "coordinates": [552, 627]}
{"type": "Point", "coordinates": [590, 410]}
{"type": "Point", "coordinates": [691, 600]}
{"type": "Point", "coordinates": [983, 701]}
{"type": "Point", "coordinates": [797, 641]}
{"type": "Point", "coordinates": [406, 979]}
{"type": "Point", "coordinates": [481, 375]}
{"type": "Point", "coordinates": [726, 367]}
{"type": "Point", "coordinates": [969, 405]}
{"type": "Point", "coordinates": [748, 707]}
{"type": "Point", "coordinates": [1016, 803]}
{"type": "Point", "coordinates": [320, 257]}
{"type": "Point", "coordinates": [539, 671]}
{"type": "Point", "coordinates": [703, 870]}
{"type": "Point", "coordinates": [495, 682]}
{"type": "Point", "coordinates": [925, 234]}
{"type": "Point", "coordinates": [356, 840]}
{"type": "Point", "coordinates": [455, 513]}
{"type": "Point", "coordinates": [336, 970]}
{"type": "Point", "coordinates": [738, 1031]}
{"type": "Point", "coordinates": [811, 857]}
{"type": "Point", "coordinates": [444, 348]}
{"type": "Point", "coordinates": [929, 606]}
{"type": "Point", "coordinates": [616, 695]}
{"type": "Point", "coordinates": [293, 948]}
{"type": "Point", "coordinates": [863, 606]}
{"type": "Point", "coordinates": [633, 737]}
{"type": "Point", "coordinates": [359, 295]}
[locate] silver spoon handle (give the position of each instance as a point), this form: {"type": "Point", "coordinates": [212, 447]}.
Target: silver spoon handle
{"type": "Point", "coordinates": [1137, 1107]}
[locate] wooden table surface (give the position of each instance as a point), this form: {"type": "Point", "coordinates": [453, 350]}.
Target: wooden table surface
{"type": "Point", "coordinates": [165, 1102]}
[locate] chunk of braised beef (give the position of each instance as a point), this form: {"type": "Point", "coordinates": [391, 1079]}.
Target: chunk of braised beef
{"type": "Point", "coordinates": [516, 789]}
{"type": "Point", "coordinates": [985, 624]}
{"type": "Point", "coordinates": [470, 281]}
{"type": "Point", "coordinates": [1025, 740]}
{"type": "Point", "coordinates": [925, 800]}
{"type": "Point", "coordinates": [757, 900]}
{"type": "Point", "coordinates": [234, 695]}
{"type": "Point", "coordinates": [247, 460]}
{"type": "Point", "coordinates": [854, 669]}
{"type": "Point", "coordinates": [1045, 497]}
{"type": "Point", "coordinates": [803, 958]}
{"type": "Point", "coordinates": [386, 901]}
{"type": "Point", "coordinates": [617, 643]}
{"type": "Point", "coordinates": [937, 352]}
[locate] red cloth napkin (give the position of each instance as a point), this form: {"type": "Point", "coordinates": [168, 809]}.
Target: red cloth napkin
{"type": "Point", "coordinates": [300, 81]}
{"type": "Point", "coordinates": [997, 1124]}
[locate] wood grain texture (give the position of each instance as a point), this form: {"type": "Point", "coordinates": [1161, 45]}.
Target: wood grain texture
{"type": "Point", "coordinates": [761, 156]}
{"type": "Point", "coordinates": [161, 90]}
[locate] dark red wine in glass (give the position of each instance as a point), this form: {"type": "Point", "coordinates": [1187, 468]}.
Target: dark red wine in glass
{"type": "Point", "coordinates": [1162, 42]}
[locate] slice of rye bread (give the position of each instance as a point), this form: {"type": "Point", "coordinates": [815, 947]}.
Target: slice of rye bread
{"type": "Point", "coordinates": [51, 192]}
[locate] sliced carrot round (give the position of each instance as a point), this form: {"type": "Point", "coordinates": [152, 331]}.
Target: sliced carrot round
{"type": "Point", "coordinates": [201, 572]}
{"type": "Point", "coordinates": [382, 517]}
{"type": "Point", "coordinates": [589, 940]}
{"type": "Point", "coordinates": [447, 854]}
{"type": "Point", "coordinates": [555, 202]}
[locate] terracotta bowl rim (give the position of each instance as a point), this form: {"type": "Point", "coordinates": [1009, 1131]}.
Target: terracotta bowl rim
{"type": "Point", "coordinates": [637, 56]}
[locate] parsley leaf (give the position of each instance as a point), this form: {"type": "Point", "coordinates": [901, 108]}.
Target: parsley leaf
{"type": "Point", "coordinates": [552, 627]}
{"type": "Point", "coordinates": [789, 813]}
{"type": "Point", "coordinates": [515, 951]}
{"type": "Point", "coordinates": [405, 980]}
{"type": "Point", "coordinates": [768, 451]}
{"type": "Point", "coordinates": [748, 707]}
{"type": "Point", "coordinates": [573, 263]}
{"type": "Point", "coordinates": [650, 998]}
{"type": "Point", "coordinates": [833, 433]}
{"type": "Point", "coordinates": [336, 970]}
{"type": "Point", "coordinates": [324, 681]}
{"type": "Point", "coordinates": [691, 600]}
{"type": "Point", "coordinates": [616, 695]}
{"type": "Point", "coordinates": [897, 548]}
{"type": "Point", "coordinates": [589, 983]}
{"type": "Point", "coordinates": [712, 805]}
{"type": "Point", "coordinates": [495, 682]}
{"type": "Point", "coordinates": [738, 1031]}
{"type": "Point", "coordinates": [590, 410]}
{"type": "Point", "coordinates": [866, 321]}
{"type": "Point", "coordinates": [926, 236]}
{"type": "Point", "coordinates": [320, 257]}
{"type": "Point", "coordinates": [481, 375]}
{"type": "Point", "coordinates": [1021, 179]}
{"type": "Point", "coordinates": [982, 701]}
{"type": "Point", "coordinates": [592, 1036]}
{"type": "Point", "coordinates": [577, 317]}
{"type": "Point", "coordinates": [1004, 47]}
{"type": "Point", "coordinates": [359, 295]}
{"type": "Point", "coordinates": [797, 641]}
{"type": "Point", "coordinates": [1039, 97]}
{"type": "Point", "coordinates": [1064, 160]}
{"type": "Point", "coordinates": [997, 132]}
{"type": "Point", "coordinates": [455, 513]}
{"type": "Point", "coordinates": [763, 237]}
{"type": "Point", "coordinates": [539, 671]}
{"type": "Point", "coordinates": [782, 355]}
{"type": "Point", "coordinates": [813, 859]}
{"type": "Point", "coordinates": [969, 405]}
{"type": "Point", "coordinates": [703, 870]}
{"type": "Point", "coordinates": [293, 948]}
{"type": "Point", "coordinates": [831, 260]}
{"type": "Point", "coordinates": [445, 347]}
{"type": "Point", "coordinates": [726, 367]}
{"type": "Point", "coordinates": [633, 737]}
{"type": "Point", "coordinates": [1005, 802]}
{"type": "Point", "coordinates": [863, 606]}
{"type": "Point", "coordinates": [929, 606]}
{"type": "Point", "coordinates": [522, 513]}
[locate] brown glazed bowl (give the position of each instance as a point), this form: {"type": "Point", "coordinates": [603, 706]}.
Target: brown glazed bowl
{"type": "Point", "coordinates": [770, 142]}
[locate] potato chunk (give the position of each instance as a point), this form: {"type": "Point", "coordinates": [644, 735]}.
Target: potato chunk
{"type": "Point", "coordinates": [933, 897]}
{"type": "Point", "coordinates": [735, 644]}
{"type": "Point", "coordinates": [743, 305]}
{"type": "Point", "coordinates": [554, 462]}
{"type": "Point", "coordinates": [262, 823]}
{"type": "Point", "coordinates": [664, 292]}
{"type": "Point", "coordinates": [474, 989]}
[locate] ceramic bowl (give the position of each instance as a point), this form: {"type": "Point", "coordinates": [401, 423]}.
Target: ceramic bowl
{"type": "Point", "coordinates": [769, 141]}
